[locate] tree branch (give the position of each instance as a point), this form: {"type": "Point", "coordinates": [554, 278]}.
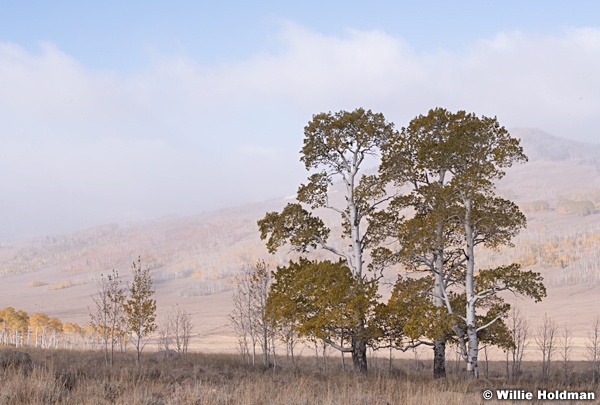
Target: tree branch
{"type": "Point", "coordinates": [336, 346]}
{"type": "Point", "coordinates": [488, 324]}
{"type": "Point", "coordinates": [339, 211]}
{"type": "Point", "coordinates": [412, 345]}
{"type": "Point", "coordinates": [336, 252]}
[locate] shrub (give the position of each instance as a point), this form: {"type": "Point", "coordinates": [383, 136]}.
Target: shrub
{"type": "Point", "coordinates": [582, 208]}
{"type": "Point", "coordinates": [16, 359]}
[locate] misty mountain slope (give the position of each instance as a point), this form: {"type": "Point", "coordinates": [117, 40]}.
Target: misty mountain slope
{"type": "Point", "coordinates": [194, 259]}
{"type": "Point", "coordinates": [539, 145]}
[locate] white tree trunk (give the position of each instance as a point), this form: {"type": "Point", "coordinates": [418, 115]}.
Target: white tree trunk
{"type": "Point", "coordinates": [473, 342]}
{"type": "Point", "coordinates": [439, 345]}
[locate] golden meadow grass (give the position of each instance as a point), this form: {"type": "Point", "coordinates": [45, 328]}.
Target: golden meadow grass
{"type": "Point", "coordinates": [81, 377]}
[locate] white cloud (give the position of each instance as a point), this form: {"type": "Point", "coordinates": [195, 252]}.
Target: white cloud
{"type": "Point", "coordinates": [181, 136]}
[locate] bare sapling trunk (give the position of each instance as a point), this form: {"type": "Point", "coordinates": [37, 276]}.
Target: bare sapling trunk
{"type": "Point", "coordinates": [566, 347]}
{"type": "Point", "coordinates": [593, 349]}
{"type": "Point", "coordinates": [546, 342]}
{"type": "Point", "coordinates": [249, 314]}
{"type": "Point", "coordinates": [519, 331]}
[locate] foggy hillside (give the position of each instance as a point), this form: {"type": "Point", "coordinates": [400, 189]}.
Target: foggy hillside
{"type": "Point", "coordinates": [194, 259]}
{"type": "Point", "coordinates": [539, 145]}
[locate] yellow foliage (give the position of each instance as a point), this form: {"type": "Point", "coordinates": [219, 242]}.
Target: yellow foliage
{"type": "Point", "coordinates": [535, 206]}
{"type": "Point", "coordinates": [583, 208]}
{"type": "Point", "coordinates": [38, 319]}
{"type": "Point", "coordinates": [69, 327]}
{"type": "Point", "coordinates": [526, 259]}
{"type": "Point", "coordinates": [36, 283]}
{"type": "Point", "coordinates": [66, 284]}
{"type": "Point", "coordinates": [74, 268]}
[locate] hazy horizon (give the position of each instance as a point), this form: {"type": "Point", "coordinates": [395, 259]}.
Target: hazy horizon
{"type": "Point", "coordinates": [126, 112]}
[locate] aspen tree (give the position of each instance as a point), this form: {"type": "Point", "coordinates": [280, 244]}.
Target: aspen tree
{"type": "Point", "coordinates": [336, 146]}
{"type": "Point", "coordinates": [450, 161]}
{"type": "Point", "coordinates": [140, 308]}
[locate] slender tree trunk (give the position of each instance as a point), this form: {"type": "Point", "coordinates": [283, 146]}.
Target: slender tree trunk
{"type": "Point", "coordinates": [265, 334]}
{"type": "Point", "coordinates": [273, 351]}
{"type": "Point", "coordinates": [138, 349]}
{"type": "Point", "coordinates": [253, 350]}
{"type": "Point", "coordinates": [473, 342]}
{"type": "Point", "coordinates": [343, 353]}
{"type": "Point", "coordinates": [112, 346]}
{"type": "Point", "coordinates": [105, 350]}
{"type": "Point", "coordinates": [439, 345]}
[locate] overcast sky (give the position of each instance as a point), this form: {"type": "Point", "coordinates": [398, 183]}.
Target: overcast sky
{"type": "Point", "coordinates": [123, 111]}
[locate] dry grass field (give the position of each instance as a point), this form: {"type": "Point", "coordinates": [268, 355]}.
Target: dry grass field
{"type": "Point", "coordinates": [81, 377]}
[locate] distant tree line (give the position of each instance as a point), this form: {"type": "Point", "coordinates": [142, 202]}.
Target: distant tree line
{"type": "Point", "coordinates": [18, 328]}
